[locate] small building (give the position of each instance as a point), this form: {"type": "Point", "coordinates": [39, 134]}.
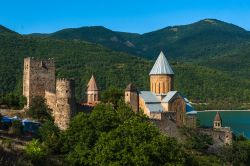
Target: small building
{"type": "Point", "coordinates": [217, 121]}
{"type": "Point", "coordinates": [92, 92]}
{"type": "Point", "coordinates": [219, 132]}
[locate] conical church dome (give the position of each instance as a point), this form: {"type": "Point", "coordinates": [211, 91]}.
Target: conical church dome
{"type": "Point", "coordinates": [92, 84]}
{"type": "Point", "coordinates": [161, 66]}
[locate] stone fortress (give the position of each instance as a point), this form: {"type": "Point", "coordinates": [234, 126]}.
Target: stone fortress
{"type": "Point", "coordinates": [162, 104]}
{"type": "Point", "coordinates": [39, 80]}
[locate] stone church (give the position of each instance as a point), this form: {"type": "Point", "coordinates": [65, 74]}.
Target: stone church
{"type": "Point", "coordinates": [162, 99]}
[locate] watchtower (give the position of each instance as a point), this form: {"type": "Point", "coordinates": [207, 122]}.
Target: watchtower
{"type": "Point", "coordinates": [65, 102]}
{"type": "Point", "coordinates": [38, 77]}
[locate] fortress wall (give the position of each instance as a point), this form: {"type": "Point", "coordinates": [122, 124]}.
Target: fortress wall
{"type": "Point", "coordinates": [50, 100]}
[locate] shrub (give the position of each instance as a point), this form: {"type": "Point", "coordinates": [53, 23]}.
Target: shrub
{"type": "Point", "coordinates": [35, 151]}
{"type": "Point", "coordinates": [39, 110]}
{"type": "Point", "coordinates": [49, 134]}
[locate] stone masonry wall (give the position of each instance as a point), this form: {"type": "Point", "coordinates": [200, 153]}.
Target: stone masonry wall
{"type": "Point", "coordinates": [65, 103]}
{"type": "Point", "coordinates": [39, 76]}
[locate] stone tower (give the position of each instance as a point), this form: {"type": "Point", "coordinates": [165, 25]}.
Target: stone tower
{"type": "Point", "coordinates": [38, 78]}
{"type": "Point", "coordinates": [217, 121]}
{"type": "Point", "coordinates": [132, 97]}
{"type": "Point", "coordinates": [92, 92]}
{"type": "Point", "coordinates": [161, 76]}
{"type": "Point", "coordinates": [65, 102]}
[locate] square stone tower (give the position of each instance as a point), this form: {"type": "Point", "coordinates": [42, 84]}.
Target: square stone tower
{"type": "Point", "coordinates": [38, 78]}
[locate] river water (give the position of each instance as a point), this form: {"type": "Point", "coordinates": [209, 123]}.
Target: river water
{"type": "Point", "coordinates": [239, 121]}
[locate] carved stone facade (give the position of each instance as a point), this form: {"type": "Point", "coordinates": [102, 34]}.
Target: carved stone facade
{"type": "Point", "coordinates": [39, 80]}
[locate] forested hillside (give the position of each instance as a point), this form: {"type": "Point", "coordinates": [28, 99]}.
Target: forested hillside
{"type": "Point", "coordinates": [79, 59]}
{"type": "Point", "coordinates": [74, 59]}
{"type": "Point", "coordinates": [209, 42]}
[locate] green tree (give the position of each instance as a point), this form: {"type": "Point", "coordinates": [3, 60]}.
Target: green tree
{"type": "Point", "coordinates": [49, 134]}
{"type": "Point", "coordinates": [118, 136]}
{"type": "Point", "coordinates": [35, 152]}
{"type": "Point", "coordinates": [136, 142]}
{"type": "Point", "coordinates": [39, 110]}
{"type": "Point", "coordinates": [236, 154]}
{"type": "Point", "coordinates": [196, 139]}
{"type": "Point", "coordinates": [112, 95]}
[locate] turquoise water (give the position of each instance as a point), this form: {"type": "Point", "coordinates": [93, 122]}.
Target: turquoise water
{"type": "Point", "coordinates": [239, 121]}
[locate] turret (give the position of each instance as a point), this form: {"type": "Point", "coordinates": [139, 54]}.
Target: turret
{"type": "Point", "coordinates": [161, 76]}
{"type": "Point", "coordinates": [132, 97]}
{"type": "Point", "coordinates": [217, 121]}
{"type": "Point", "coordinates": [92, 92]}
{"type": "Point", "coordinates": [65, 102]}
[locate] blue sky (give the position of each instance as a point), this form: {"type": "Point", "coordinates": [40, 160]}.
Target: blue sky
{"type": "Point", "coordinates": [27, 16]}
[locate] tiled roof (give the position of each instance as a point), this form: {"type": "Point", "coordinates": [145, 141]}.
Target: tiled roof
{"type": "Point", "coordinates": [92, 84]}
{"type": "Point", "coordinates": [161, 66]}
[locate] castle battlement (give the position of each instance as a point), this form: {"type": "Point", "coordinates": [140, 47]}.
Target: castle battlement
{"type": "Point", "coordinates": [66, 80]}
{"type": "Point", "coordinates": [39, 80]}
{"type": "Point", "coordinates": [37, 62]}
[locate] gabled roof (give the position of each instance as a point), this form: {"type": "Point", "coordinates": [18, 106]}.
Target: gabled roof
{"type": "Point", "coordinates": [217, 117]}
{"type": "Point", "coordinates": [169, 96]}
{"type": "Point", "coordinates": [92, 85]}
{"type": "Point", "coordinates": [131, 88]}
{"type": "Point", "coordinates": [149, 97]}
{"type": "Point", "coordinates": [161, 66]}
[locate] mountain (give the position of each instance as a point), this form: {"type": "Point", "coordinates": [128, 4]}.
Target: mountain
{"type": "Point", "coordinates": [4, 30]}
{"type": "Point", "coordinates": [95, 34]}
{"type": "Point", "coordinates": [192, 41]}
{"type": "Point", "coordinates": [80, 59]}
{"type": "Point", "coordinates": [200, 39]}
{"type": "Point", "coordinates": [208, 42]}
